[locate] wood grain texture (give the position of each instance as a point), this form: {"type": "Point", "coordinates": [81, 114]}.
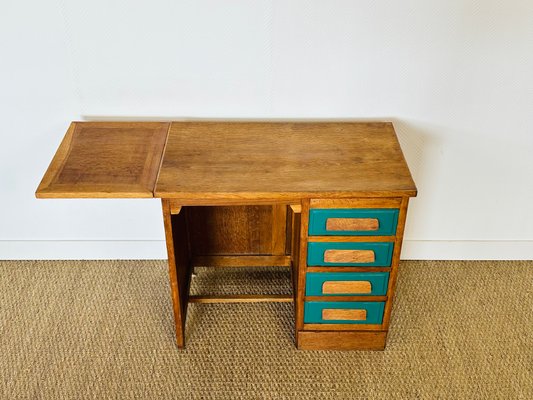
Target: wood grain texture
{"type": "Point", "coordinates": [356, 203]}
{"type": "Point", "coordinates": [229, 160]}
{"type": "Point", "coordinates": [242, 298]}
{"type": "Point", "coordinates": [338, 340]}
{"type": "Point", "coordinates": [329, 314]}
{"type": "Point", "coordinates": [349, 256]}
{"type": "Point", "coordinates": [241, 261]}
{"type": "Point", "coordinates": [231, 230]}
{"type": "Point", "coordinates": [106, 160]}
{"type": "Point", "coordinates": [352, 224]}
{"type": "Point", "coordinates": [294, 251]}
{"type": "Point", "coordinates": [393, 276]}
{"type": "Point", "coordinates": [235, 201]}
{"type": "Point", "coordinates": [279, 229]}
{"type": "Point", "coordinates": [301, 253]}
{"type": "Point", "coordinates": [346, 287]}
{"type": "Point", "coordinates": [178, 267]}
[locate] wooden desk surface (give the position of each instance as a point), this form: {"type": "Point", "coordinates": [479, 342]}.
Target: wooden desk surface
{"type": "Point", "coordinates": [228, 160]}
{"type": "Point", "coordinates": [106, 159]}
{"type": "Point", "coordinates": [282, 160]}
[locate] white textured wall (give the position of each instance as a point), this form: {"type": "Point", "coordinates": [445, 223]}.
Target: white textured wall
{"type": "Point", "coordinates": [456, 77]}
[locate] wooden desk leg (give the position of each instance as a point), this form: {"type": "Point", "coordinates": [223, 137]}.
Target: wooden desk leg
{"type": "Point", "coordinates": [179, 266]}
{"type": "Point", "coordinates": [303, 223]}
{"type": "Point", "coordinates": [295, 223]}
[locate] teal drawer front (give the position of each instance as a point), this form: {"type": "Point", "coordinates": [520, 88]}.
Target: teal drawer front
{"type": "Point", "coordinates": [346, 283]}
{"type": "Point", "coordinates": [349, 312]}
{"type": "Point", "coordinates": [353, 221]}
{"type": "Point", "coordinates": [360, 254]}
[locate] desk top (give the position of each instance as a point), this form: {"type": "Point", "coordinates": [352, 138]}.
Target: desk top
{"type": "Point", "coordinates": [228, 161]}
{"type": "Point", "coordinates": [106, 159]}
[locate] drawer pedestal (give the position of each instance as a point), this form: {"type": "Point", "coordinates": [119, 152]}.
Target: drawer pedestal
{"type": "Point", "coordinates": [348, 264]}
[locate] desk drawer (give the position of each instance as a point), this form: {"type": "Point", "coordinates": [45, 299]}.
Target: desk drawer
{"type": "Point", "coordinates": [358, 254]}
{"type": "Point", "coordinates": [353, 221]}
{"type": "Point", "coordinates": [349, 312]}
{"type": "Point", "coordinates": [346, 283]}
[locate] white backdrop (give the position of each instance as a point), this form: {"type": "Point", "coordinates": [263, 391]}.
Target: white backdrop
{"type": "Point", "coordinates": [456, 78]}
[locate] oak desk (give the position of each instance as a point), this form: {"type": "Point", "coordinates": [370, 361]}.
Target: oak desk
{"type": "Point", "coordinates": [328, 200]}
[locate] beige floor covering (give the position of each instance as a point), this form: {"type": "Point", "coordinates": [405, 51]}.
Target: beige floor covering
{"type": "Point", "coordinates": [98, 330]}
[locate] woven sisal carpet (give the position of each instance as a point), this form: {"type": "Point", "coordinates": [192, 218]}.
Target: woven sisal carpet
{"type": "Point", "coordinates": [98, 330]}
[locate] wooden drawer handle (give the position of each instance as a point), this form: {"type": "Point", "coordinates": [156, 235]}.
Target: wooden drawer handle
{"type": "Point", "coordinates": [349, 256]}
{"type": "Point", "coordinates": [352, 224]}
{"type": "Point", "coordinates": [343, 287]}
{"type": "Point", "coordinates": [342, 314]}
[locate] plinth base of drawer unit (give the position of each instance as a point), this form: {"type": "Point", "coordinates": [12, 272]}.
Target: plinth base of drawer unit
{"type": "Point", "coordinates": [341, 340]}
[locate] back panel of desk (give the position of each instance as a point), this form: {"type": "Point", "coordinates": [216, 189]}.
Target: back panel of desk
{"type": "Point", "coordinates": [237, 230]}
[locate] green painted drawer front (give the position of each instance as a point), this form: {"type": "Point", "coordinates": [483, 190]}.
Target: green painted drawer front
{"type": "Point", "coordinates": [314, 311]}
{"type": "Point", "coordinates": [382, 253]}
{"type": "Point", "coordinates": [377, 282]}
{"type": "Point", "coordinates": [387, 221]}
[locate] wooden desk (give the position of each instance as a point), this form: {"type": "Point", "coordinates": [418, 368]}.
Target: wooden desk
{"type": "Point", "coordinates": [328, 200]}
